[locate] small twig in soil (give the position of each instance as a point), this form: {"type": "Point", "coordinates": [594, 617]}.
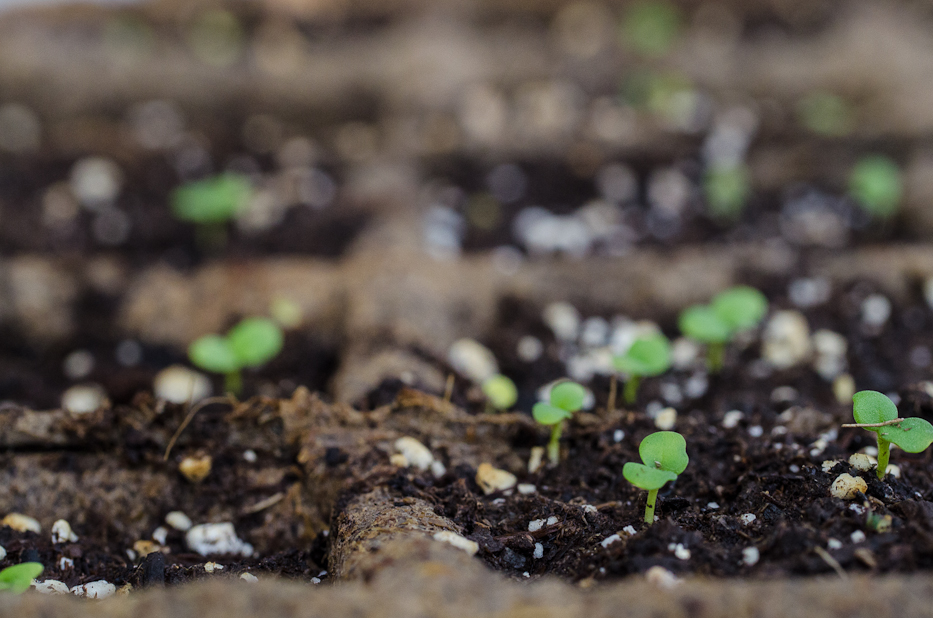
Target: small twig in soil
{"type": "Point", "coordinates": [896, 421]}
{"type": "Point", "coordinates": [264, 504]}
{"type": "Point", "coordinates": [449, 388]}
{"type": "Point", "coordinates": [194, 410]}
{"type": "Point", "coordinates": [822, 553]}
{"type": "Point", "coordinates": [611, 404]}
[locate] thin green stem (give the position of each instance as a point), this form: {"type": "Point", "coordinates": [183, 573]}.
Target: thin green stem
{"type": "Point", "coordinates": [884, 454]}
{"type": "Point", "coordinates": [715, 355]}
{"type": "Point", "coordinates": [553, 447]}
{"type": "Point", "coordinates": [649, 507]}
{"type": "Point", "coordinates": [233, 382]}
{"type": "Point", "coordinates": [631, 390]}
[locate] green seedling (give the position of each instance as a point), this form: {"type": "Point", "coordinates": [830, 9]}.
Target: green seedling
{"type": "Point", "coordinates": [826, 113]}
{"type": "Point", "coordinates": [18, 578]}
{"type": "Point", "coordinates": [726, 188]}
{"type": "Point", "coordinates": [210, 204]}
{"type": "Point", "coordinates": [500, 392]}
{"type": "Point", "coordinates": [251, 343]}
{"type": "Point", "coordinates": [875, 412]}
{"type": "Point", "coordinates": [648, 356]}
{"type": "Point", "coordinates": [664, 457]}
{"type": "Point", "coordinates": [875, 184]}
{"type": "Point", "coordinates": [565, 399]}
{"type": "Point", "coordinates": [731, 312]}
{"type": "Point", "coordinates": [651, 28]}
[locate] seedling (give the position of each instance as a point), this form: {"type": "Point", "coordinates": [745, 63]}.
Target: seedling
{"type": "Point", "coordinates": [826, 113]}
{"type": "Point", "coordinates": [651, 28]}
{"type": "Point", "coordinates": [874, 411]}
{"type": "Point", "coordinates": [664, 454]}
{"type": "Point", "coordinates": [565, 399]}
{"type": "Point", "coordinates": [210, 203]}
{"type": "Point", "coordinates": [18, 578]}
{"type": "Point", "coordinates": [251, 343]}
{"type": "Point", "coordinates": [500, 392]}
{"type": "Point", "coordinates": [733, 311]}
{"type": "Point", "coordinates": [875, 184]}
{"type": "Point", "coordinates": [648, 356]}
{"type": "Point", "coordinates": [726, 188]}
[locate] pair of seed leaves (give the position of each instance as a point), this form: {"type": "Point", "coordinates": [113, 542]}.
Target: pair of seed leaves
{"type": "Point", "coordinates": [252, 342]}
{"type": "Point", "coordinates": [664, 454]}
{"type": "Point", "coordinates": [734, 310]}
{"type": "Point", "coordinates": [912, 434]}
{"type": "Point", "coordinates": [565, 399]}
{"type": "Point", "coordinates": [649, 355]}
{"type": "Point", "coordinates": [18, 578]}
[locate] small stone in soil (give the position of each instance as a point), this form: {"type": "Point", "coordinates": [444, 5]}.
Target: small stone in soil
{"type": "Point", "coordinates": [62, 532]}
{"type": "Point", "coordinates": [492, 479]}
{"type": "Point", "coordinates": [848, 487]}
{"type": "Point", "coordinates": [750, 556]}
{"type": "Point", "coordinates": [179, 521]}
{"type": "Point", "coordinates": [458, 541]}
{"type": "Point", "coordinates": [834, 544]}
{"type": "Point", "coordinates": [50, 586]}
{"type": "Point", "coordinates": [22, 523]}
{"type": "Point", "coordinates": [100, 589]}
{"type": "Point", "coordinates": [249, 577]}
{"type": "Point", "coordinates": [195, 469]}
{"type": "Point", "coordinates": [858, 536]}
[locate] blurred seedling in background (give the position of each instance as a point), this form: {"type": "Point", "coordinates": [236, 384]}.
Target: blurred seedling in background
{"type": "Point", "coordinates": [648, 356]}
{"type": "Point", "coordinates": [826, 113]}
{"type": "Point", "coordinates": [876, 412]}
{"type": "Point", "coordinates": [732, 311]}
{"type": "Point", "coordinates": [18, 578]}
{"type": "Point", "coordinates": [876, 186]}
{"type": "Point", "coordinates": [726, 188]}
{"type": "Point", "coordinates": [210, 204]}
{"type": "Point", "coordinates": [565, 399]}
{"type": "Point", "coordinates": [500, 392]}
{"type": "Point", "coordinates": [251, 343]}
{"type": "Point", "coordinates": [651, 28]}
{"type": "Point", "coordinates": [664, 457]}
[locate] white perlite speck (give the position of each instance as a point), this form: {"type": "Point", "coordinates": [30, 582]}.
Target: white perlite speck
{"type": "Point", "coordinates": [458, 541]}
{"type": "Point", "coordinates": [179, 384]}
{"type": "Point", "coordinates": [62, 532]}
{"type": "Point", "coordinates": [563, 319]}
{"type": "Point", "coordinates": [747, 518]}
{"type": "Point", "coordinates": [834, 544]}
{"type": "Point", "coordinates": [492, 479]}
{"type": "Point", "coordinates": [731, 418]}
{"type": "Point", "coordinates": [848, 487]}
{"type": "Point", "coordinates": [858, 536]}
{"type": "Point", "coordinates": [661, 577]}
{"type": "Point", "coordinates": [876, 309]}
{"type": "Point", "coordinates": [416, 453]}
{"type": "Point", "coordinates": [539, 551]}
{"type": "Point", "coordinates": [666, 419]}
{"type": "Point", "coordinates": [618, 435]}
{"type": "Point", "coordinates": [22, 523]}
{"type": "Point", "coordinates": [210, 567]}
{"type": "Point", "coordinates": [179, 521]}
{"type": "Point", "coordinates": [249, 577]}
{"type": "Point", "coordinates": [526, 488]}
{"type": "Point", "coordinates": [472, 359]}
{"type": "Point", "coordinates": [751, 556]}
{"type": "Point", "coordinates": [160, 535]}
{"type": "Point", "coordinates": [83, 398]}
{"type": "Point", "coordinates": [609, 540]}
{"type": "Point", "coordinates": [680, 552]}
{"type": "Point", "coordinates": [221, 538]}
{"type": "Point", "coordinates": [2, 552]}
{"type": "Point", "coordinates": [50, 586]}
{"type": "Point", "coordinates": [101, 589]}
{"type": "Point", "coordinates": [862, 462]}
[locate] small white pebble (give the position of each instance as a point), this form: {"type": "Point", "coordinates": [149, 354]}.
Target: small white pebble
{"type": "Point", "coordinates": [21, 523]}
{"type": "Point", "coordinates": [666, 419]}
{"type": "Point", "coordinates": [551, 520]}
{"type": "Point", "coordinates": [219, 538]}
{"type": "Point", "coordinates": [535, 458]}
{"type": "Point", "coordinates": [535, 524]}
{"type": "Point", "coordinates": [618, 435]}
{"type": "Point", "coordinates": [828, 465]}
{"type": "Point", "coordinates": [178, 521]}
{"type": "Point", "coordinates": [249, 577]}
{"type": "Point", "coordinates": [894, 470]}
{"type": "Point", "coordinates": [529, 348]}
{"type": "Point", "coordinates": [417, 454]}
{"type": "Point", "coordinates": [62, 532]}
{"type": "Point", "coordinates": [662, 578]}
{"type": "Point", "coordinates": [794, 468]}
{"type": "Point", "coordinates": [458, 541]}
{"type": "Point", "coordinates": [681, 552]}
{"type": "Point", "coordinates": [526, 488]}
{"type": "Point", "coordinates": [160, 535]}
{"type": "Point", "coordinates": [83, 398]}
{"type": "Point", "coordinates": [539, 551]}
{"type": "Point", "coordinates": [50, 586]}
{"type": "Point", "coordinates": [732, 418]}
{"type": "Point", "coordinates": [526, 574]}
{"type": "Point", "coordinates": [100, 589]}
{"type": "Point", "coordinates": [876, 309]}
{"type": "Point", "coordinates": [751, 556]}
{"type": "Point", "coordinates": [747, 518]}
{"type": "Point", "coordinates": [862, 462]}
{"type": "Point", "coordinates": [609, 540]}
{"type": "Point", "coordinates": [834, 544]}
{"type": "Point", "coordinates": [712, 505]}
{"type": "Point", "coordinates": [858, 536]}
{"type": "Point", "coordinates": [179, 384]}
{"type": "Point", "coordinates": [65, 564]}
{"type": "Point", "coordinates": [848, 487]}
{"type": "Point", "coordinates": [492, 479]}
{"type": "Point", "coordinates": [629, 530]}
{"type": "Point", "coordinates": [589, 508]}
{"type": "Point", "coordinates": [756, 431]}
{"type": "Point", "coordinates": [315, 580]}
{"type": "Point", "coordinates": [210, 567]}
{"type": "Point", "coordinates": [249, 455]}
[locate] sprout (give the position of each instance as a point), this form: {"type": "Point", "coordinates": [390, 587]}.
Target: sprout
{"type": "Point", "coordinates": [726, 188]}
{"type": "Point", "coordinates": [210, 203]}
{"type": "Point", "coordinates": [252, 342]}
{"type": "Point", "coordinates": [651, 28]}
{"type": "Point", "coordinates": [18, 578]}
{"type": "Point", "coordinates": [876, 412]}
{"type": "Point", "coordinates": [664, 454]}
{"type": "Point", "coordinates": [733, 311]}
{"type": "Point", "coordinates": [500, 392]}
{"type": "Point", "coordinates": [875, 184]}
{"type": "Point", "coordinates": [649, 356]}
{"type": "Point", "coordinates": [826, 113]}
{"type": "Point", "coordinates": [565, 399]}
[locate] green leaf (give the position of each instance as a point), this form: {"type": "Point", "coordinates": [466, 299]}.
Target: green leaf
{"type": "Point", "coordinates": [500, 391]}
{"type": "Point", "coordinates": [700, 322]}
{"type": "Point", "coordinates": [546, 414]}
{"type": "Point", "coordinates": [648, 356]}
{"type": "Point", "coordinates": [255, 341]}
{"type": "Point", "coordinates": [826, 113]}
{"type": "Point", "coordinates": [18, 577]}
{"type": "Point", "coordinates": [666, 450]}
{"type": "Point", "coordinates": [568, 396]}
{"type": "Point", "coordinates": [213, 200]}
{"type": "Point", "coordinates": [213, 353]}
{"type": "Point", "coordinates": [875, 183]}
{"type": "Point", "coordinates": [726, 188]}
{"type": "Point", "coordinates": [870, 407]}
{"type": "Point", "coordinates": [741, 307]}
{"type": "Point", "coordinates": [646, 477]}
{"type": "Point", "coordinates": [913, 435]}
{"type": "Point", "coordinates": [651, 28]}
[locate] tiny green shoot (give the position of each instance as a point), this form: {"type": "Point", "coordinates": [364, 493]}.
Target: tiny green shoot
{"type": "Point", "coordinates": [251, 343]}
{"type": "Point", "coordinates": [876, 412]}
{"type": "Point", "coordinates": [726, 188]}
{"type": "Point", "coordinates": [210, 204]}
{"type": "Point", "coordinates": [875, 184]}
{"type": "Point", "coordinates": [18, 578]}
{"type": "Point", "coordinates": [500, 392]}
{"type": "Point", "coordinates": [732, 311]}
{"type": "Point", "coordinates": [664, 457]}
{"type": "Point", "coordinates": [651, 28]}
{"type": "Point", "coordinates": [648, 356]}
{"type": "Point", "coordinates": [565, 399]}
